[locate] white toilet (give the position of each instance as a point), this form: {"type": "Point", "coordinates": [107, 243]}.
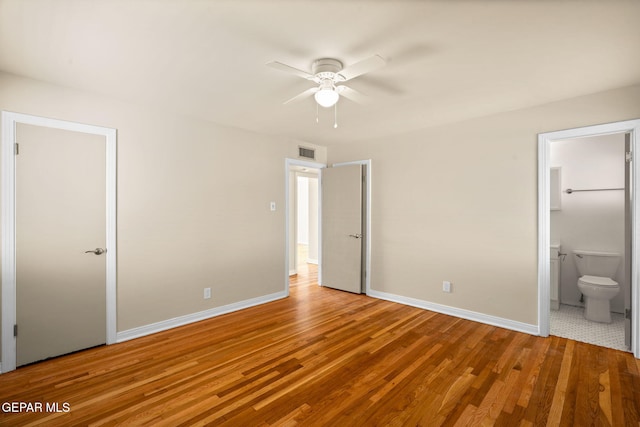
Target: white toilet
{"type": "Point", "coordinates": [596, 283]}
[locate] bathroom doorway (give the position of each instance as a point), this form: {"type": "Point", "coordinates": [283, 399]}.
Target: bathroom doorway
{"type": "Point", "coordinates": [588, 214]}
{"type": "Point", "coordinates": [587, 201]}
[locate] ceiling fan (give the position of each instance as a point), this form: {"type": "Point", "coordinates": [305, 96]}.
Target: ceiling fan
{"type": "Point", "coordinates": [328, 74]}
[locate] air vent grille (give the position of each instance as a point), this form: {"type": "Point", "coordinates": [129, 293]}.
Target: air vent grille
{"type": "Point", "coordinates": [307, 153]}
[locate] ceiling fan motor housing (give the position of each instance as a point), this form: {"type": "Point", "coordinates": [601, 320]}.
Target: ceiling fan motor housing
{"type": "Point", "coordinates": [327, 69]}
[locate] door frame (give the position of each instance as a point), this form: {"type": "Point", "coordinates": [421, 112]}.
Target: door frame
{"type": "Point", "coordinates": [9, 123]}
{"type": "Point", "coordinates": [367, 216]}
{"type": "Point", "coordinates": [544, 218]}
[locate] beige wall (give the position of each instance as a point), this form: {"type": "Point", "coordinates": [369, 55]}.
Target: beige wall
{"type": "Point", "coordinates": [186, 218]}
{"type": "Point", "coordinates": [459, 203]}
{"type": "Point", "coordinates": [455, 203]}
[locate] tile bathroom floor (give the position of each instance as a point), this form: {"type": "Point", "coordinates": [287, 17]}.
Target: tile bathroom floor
{"type": "Point", "coordinates": [569, 322]}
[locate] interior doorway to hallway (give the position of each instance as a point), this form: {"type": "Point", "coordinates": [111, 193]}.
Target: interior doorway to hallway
{"type": "Point", "coordinates": [302, 211]}
{"type": "Point", "coordinates": [327, 235]}
{"type": "Point", "coordinates": [307, 225]}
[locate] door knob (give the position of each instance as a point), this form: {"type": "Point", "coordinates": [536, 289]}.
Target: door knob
{"type": "Point", "coordinates": [96, 251]}
{"type": "Point", "coordinates": [356, 236]}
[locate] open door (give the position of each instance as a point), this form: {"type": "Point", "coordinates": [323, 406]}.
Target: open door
{"type": "Point", "coordinates": [628, 247]}
{"type": "Point", "coordinates": [342, 227]}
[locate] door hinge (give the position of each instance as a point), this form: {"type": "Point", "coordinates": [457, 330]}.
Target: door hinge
{"type": "Point", "coordinates": [628, 156]}
{"type": "Point", "coordinates": [627, 313]}
{"type": "Point", "coordinates": [15, 330]}
{"type": "Point", "coordinates": [17, 148]}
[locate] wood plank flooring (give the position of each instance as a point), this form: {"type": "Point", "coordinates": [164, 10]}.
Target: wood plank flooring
{"type": "Point", "coordinates": [327, 358]}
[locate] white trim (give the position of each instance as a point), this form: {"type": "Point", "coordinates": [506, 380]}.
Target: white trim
{"type": "Point", "coordinates": [196, 317]}
{"type": "Point", "coordinates": [9, 121]}
{"type": "Point", "coordinates": [8, 243]}
{"type": "Point", "coordinates": [367, 220]}
{"type": "Point", "coordinates": [458, 312]}
{"type": "Point", "coordinates": [312, 261]}
{"type": "Point", "coordinates": [287, 166]}
{"type": "Point", "coordinates": [544, 221]}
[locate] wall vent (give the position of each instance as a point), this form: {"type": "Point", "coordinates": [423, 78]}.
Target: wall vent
{"type": "Point", "coordinates": [307, 153]}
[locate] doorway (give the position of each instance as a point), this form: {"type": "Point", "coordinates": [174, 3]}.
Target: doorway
{"type": "Point", "coordinates": [588, 214]}
{"type": "Point", "coordinates": [291, 166]}
{"type": "Point", "coordinates": [22, 275]}
{"type": "Point", "coordinates": [306, 201]}
{"type": "Point", "coordinates": [547, 200]}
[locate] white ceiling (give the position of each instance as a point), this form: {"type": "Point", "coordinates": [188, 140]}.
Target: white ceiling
{"type": "Point", "coordinates": [447, 60]}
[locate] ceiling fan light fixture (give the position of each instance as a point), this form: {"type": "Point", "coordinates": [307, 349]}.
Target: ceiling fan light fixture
{"type": "Point", "coordinates": [326, 97]}
{"type": "Point", "coordinates": [328, 73]}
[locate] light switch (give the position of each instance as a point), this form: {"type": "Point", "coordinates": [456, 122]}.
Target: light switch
{"type": "Point", "coordinates": [272, 206]}
{"type": "Point", "coordinates": [446, 286]}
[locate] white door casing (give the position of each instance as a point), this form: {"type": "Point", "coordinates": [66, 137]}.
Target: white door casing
{"type": "Point", "coordinates": [9, 125]}
{"type": "Point", "coordinates": [544, 219]}
{"type": "Point", "coordinates": [628, 247]}
{"type": "Point", "coordinates": [366, 219]}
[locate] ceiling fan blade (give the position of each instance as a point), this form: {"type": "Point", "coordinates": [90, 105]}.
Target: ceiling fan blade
{"type": "Point", "coordinates": [352, 94]}
{"type": "Point", "coordinates": [289, 69]}
{"type": "Point", "coordinates": [307, 93]}
{"type": "Point", "coordinates": [364, 66]}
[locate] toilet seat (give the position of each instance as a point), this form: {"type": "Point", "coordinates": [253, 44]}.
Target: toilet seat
{"type": "Point", "coordinates": [603, 282]}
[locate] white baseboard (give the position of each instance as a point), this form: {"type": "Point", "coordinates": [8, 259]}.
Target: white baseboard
{"type": "Point", "coordinates": [195, 317]}
{"type": "Point", "coordinates": [293, 272]}
{"type": "Point", "coordinates": [0, 367]}
{"type": "Point", "coordinates": [458, 312]}
{"type": "Point", "coordinates": [312, 261]}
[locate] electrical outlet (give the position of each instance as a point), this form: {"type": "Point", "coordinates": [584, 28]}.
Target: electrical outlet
{"type": "Point", "coordinates": [446, 286]}
{"type": "Point", "coordinates": [207, 293]}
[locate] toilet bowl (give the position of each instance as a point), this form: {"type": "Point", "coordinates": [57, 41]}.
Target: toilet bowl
{"type": "Point", "coordinates": [598, 292]}
{"type": "Point", "coordinates": [596, 270]}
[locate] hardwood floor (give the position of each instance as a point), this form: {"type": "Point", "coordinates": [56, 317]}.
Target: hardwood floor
{"type": "Point", "coordinates": [327, 358]}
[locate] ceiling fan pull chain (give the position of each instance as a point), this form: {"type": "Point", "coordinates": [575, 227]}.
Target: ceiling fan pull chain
{"type": "Point", "coordinates": [317, 120]}
{"type": "Point", "coordinates": [335, 115]}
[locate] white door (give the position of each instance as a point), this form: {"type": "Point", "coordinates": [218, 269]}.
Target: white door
{"type": "Point", "coordinates": [60, 216]}
{"type": "Point", "coordinates": [342, 227]}
{"type": "Point", "coordinates": [628, 247]}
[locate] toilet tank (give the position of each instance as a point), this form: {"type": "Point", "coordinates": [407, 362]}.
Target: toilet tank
{"type": "Point", "coordinates": [591, 263]}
